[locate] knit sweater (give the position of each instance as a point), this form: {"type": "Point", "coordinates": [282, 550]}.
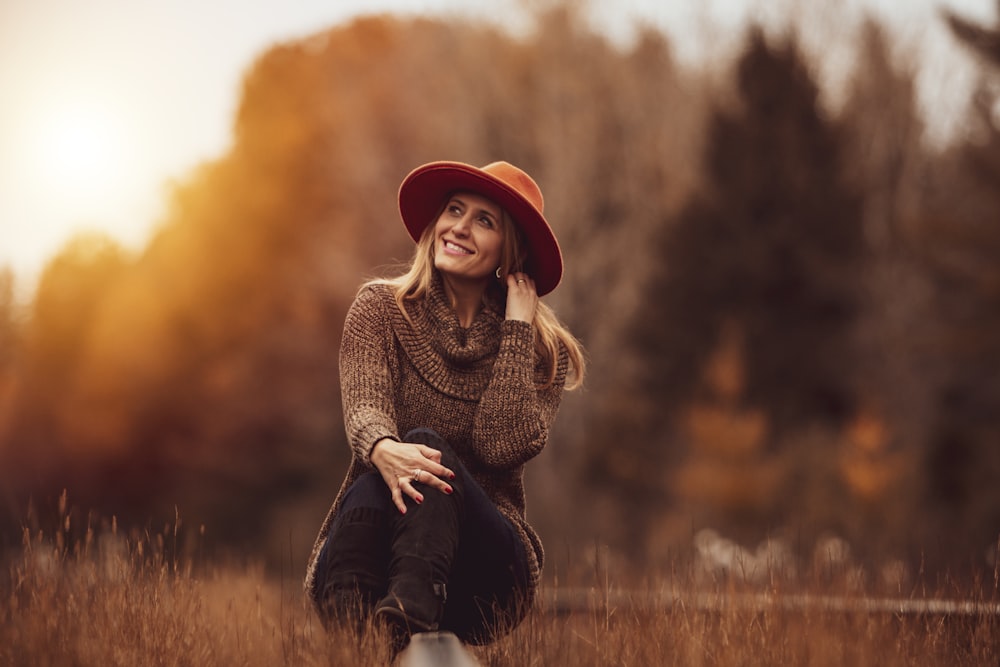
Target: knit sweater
{"type": "Point", "coordinates": [477, 387]}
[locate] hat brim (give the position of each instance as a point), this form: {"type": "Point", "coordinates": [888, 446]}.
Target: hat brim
{"type": "Point", "coordinates": [423, 192]}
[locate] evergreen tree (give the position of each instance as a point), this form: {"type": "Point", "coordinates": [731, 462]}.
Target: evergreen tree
{"type": "Point", "coordinates": [770, 248]}
{"type": "Point", "coordinates": [773, 242]}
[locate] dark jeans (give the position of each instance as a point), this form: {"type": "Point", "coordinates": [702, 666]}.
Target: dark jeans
{"type": "Point", "coordinates": [489, 575]}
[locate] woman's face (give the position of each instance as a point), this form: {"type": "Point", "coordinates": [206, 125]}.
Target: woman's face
{"type": "Point", "coordinates": [468, 237]}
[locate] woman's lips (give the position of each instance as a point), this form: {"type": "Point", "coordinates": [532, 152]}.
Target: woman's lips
{"type": "Point", "coordinates": [452, 248]}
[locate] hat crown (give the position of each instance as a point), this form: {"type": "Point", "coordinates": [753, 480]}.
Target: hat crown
{"type": "Point", "coordinates": [519, 181]}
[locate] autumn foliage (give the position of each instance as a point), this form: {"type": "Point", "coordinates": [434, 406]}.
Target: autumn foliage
{"type": "Point", "coordinates": [790, 307]}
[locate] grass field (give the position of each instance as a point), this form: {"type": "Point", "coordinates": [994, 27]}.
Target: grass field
{"type": "Point", "coordinates": [116, 600]}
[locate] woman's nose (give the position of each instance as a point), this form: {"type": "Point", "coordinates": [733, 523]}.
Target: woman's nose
{"type": "Point", "coordinates": [462, 225]}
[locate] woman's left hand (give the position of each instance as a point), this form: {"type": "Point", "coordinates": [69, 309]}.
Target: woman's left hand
{"type": "Point", "coordinates": [522, 297]}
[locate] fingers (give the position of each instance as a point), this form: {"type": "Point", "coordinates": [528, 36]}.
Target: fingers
{"type": "Point", "coordinates": [521, 282]}
{"type": "Point", "coordinates": [404, 486]}
{"type": "Point", "coordinates": [430, 453]}
{"type": "Point", "coordinates": [433, 478]}
{"type": "Point", "coordinates": [408, 485]}
{"type": "Point", "coordinates": [405, 467]}
{"type": "Point", "coordinates": [397, 500]}
{"type": "Point", "coordinates": [433, 464]}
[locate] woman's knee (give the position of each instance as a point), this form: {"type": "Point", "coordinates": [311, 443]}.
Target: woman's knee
{"type": "Point", "coordinates": [426, 436]}
{"type": "Point", "coordinates": [431, 438]}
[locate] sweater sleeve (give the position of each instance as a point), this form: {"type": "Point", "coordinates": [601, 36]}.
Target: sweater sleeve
{"type": "Point", "coordinates": [366, 382]}
{"type": "Point", "coordinates": [512, 423]}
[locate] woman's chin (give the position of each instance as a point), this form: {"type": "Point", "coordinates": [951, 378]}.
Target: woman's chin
{"type": "Point", "coordinates": [462, 274]}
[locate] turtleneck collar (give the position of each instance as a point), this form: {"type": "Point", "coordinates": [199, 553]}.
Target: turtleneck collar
{"type": "Point", "coordinates": [455, 360]}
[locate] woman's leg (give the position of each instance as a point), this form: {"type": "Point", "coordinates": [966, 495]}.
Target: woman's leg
{"type": "Point", "coordinates": [424, 543]}
{"type": "Point", "coordinates": [352, 568]}
{"type": "Point", "coordinates": [488, 577]}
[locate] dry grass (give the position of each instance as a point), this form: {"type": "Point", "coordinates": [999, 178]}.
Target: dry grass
{"type": "Point", "coordinates": [116, 600]}
{"type": "Point", "coordinates": [120, 601]}
{"type": "Point", "coordinates": [734, 634]}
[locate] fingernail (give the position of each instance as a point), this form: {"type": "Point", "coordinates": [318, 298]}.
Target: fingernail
{"type": "Point", "coordinates": [419, 499]}
{"type": "Point", "coordinates": [448, 489]}
{"type": "Point", "coordinates": [451, 476]}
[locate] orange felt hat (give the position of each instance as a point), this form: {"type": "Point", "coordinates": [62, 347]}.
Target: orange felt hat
{"type": "Point", "coordinates": [423, 193]}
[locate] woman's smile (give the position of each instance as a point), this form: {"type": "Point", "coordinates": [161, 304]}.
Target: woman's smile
{"type": "Point", "coordinates": [453, 248]}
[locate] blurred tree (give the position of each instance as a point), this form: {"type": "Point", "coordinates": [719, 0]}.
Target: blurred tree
{"type": "Point", "coordinates": [983, 39]}
{"type": "Point", "coordinates": [885, 131]}
{"type": "Point", "coordinates": [9, 352]}
{"type": "Point", "coordinates": [896, 376]}
{"type": "Point", "coordinates": [774, 242]}
{"type": "Point", "coordinates": [8, 321]}
{"type": "Point", "coordinates": [9, 342]}
{"type": "Point", "coordinates": [771, 247]}
{"type": "Point", "coordinates": [66, 302]}
{"type": "Point", "coordinates": [960, 246]}
{"type": "Point", "coordinates": [58, 323]}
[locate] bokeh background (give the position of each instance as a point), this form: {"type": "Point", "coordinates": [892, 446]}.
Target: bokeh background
{"type": "Point", "coordinates": [783, 257]}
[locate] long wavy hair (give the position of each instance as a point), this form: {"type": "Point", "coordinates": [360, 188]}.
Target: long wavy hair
{"type": "Point", "coordinates": [550, 332]}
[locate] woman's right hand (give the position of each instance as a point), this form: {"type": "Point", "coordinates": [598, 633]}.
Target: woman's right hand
{"type": "Point", "coordinates": [404, 464]}
{"type": "Point", "coordinates": [522, 298]}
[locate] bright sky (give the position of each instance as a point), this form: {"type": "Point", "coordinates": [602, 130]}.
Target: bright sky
{"type": "Point", "coordinates": [105, 101]}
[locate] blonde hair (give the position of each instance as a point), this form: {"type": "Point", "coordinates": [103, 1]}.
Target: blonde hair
{"type": "Point", "coordinates": [551, 334]}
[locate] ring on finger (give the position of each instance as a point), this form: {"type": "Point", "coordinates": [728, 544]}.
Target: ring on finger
{"type": "Point", "coordinates": [416, 474]}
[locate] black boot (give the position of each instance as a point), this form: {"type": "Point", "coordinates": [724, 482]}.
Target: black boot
{"type": "Point", "coordinates": [416, 597]}
{"type": "Point", "coordinates": [355, 570]}
{"type": "Point", "coordinates": [424, 543]}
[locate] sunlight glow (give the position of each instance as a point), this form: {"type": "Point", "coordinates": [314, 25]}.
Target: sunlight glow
{"type": "Point", "coordinates": [79, 155]}
{"type": "Point", "coordinates": [76, 160]}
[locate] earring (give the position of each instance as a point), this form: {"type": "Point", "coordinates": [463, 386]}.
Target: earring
{"type": "Point", "coordinates": [498, 272]}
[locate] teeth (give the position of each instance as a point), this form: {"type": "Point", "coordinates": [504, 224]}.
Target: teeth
{"type": "Point", "coordinates": [457, 248]}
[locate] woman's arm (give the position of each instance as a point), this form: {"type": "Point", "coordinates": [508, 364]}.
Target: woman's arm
{"type": "Point", "coordinates": [366, 381]}
{"type": "Point", "coordinates": [513, 419]}
{"type": "Point", "coordinates": [366, 377]}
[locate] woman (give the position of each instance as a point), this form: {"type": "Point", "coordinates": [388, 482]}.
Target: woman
{"type": "Point", "coordinates": [451, 376]}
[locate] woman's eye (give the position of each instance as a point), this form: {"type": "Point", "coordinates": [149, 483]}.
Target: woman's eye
{"type": "Point", "coordinates": [486, 221]}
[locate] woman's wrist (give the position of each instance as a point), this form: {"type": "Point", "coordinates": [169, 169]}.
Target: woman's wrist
{"type": "Point", "coordinates": [376, 450]}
